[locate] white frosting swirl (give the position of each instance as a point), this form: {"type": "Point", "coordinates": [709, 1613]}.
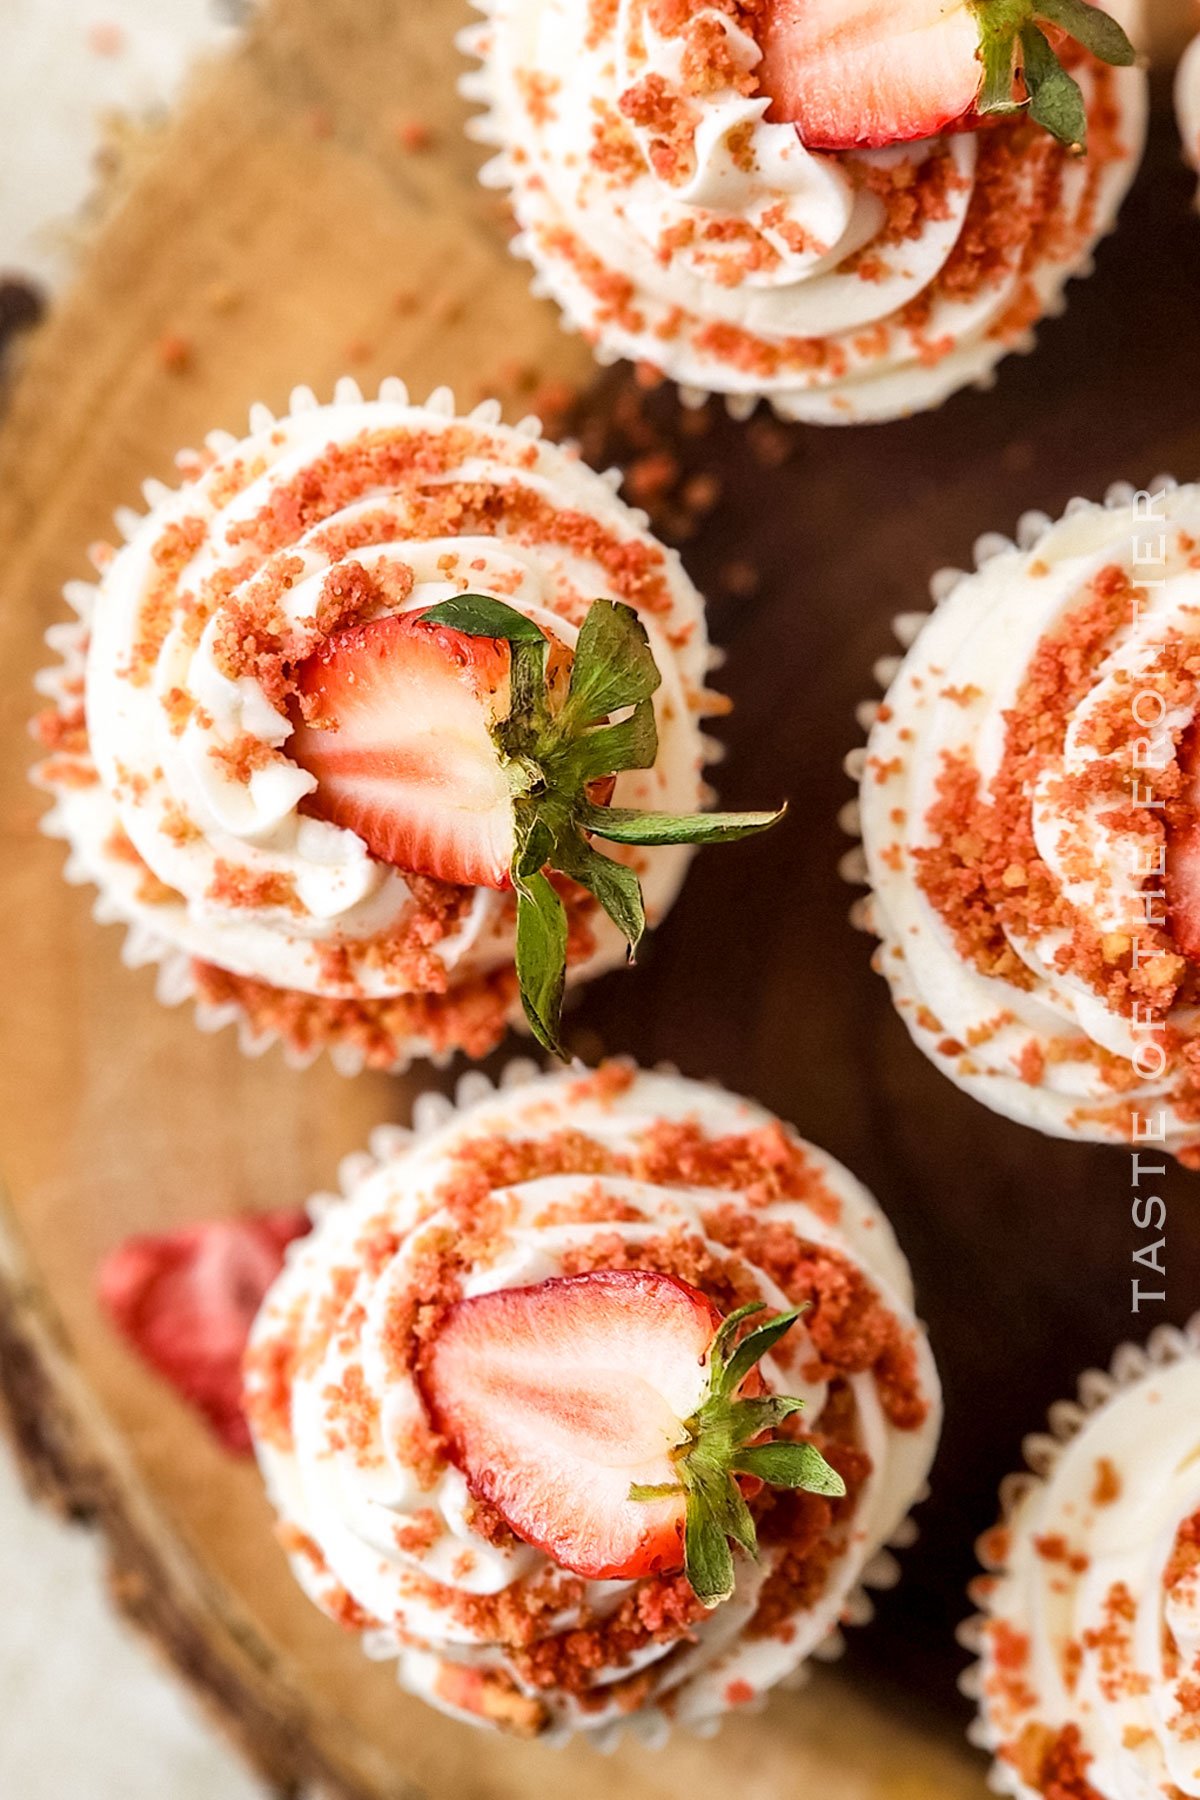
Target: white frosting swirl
{"type": "Point", "coordinates": [678, 226]}
{"type": "Point", "coordinates": [1094, 1612]}
{"type": "Point", "coordinates": [195, 828]}
{"type": "Point", "coordinates": [346, 1499]}
{"type": "Point", "coordinates": [1187, 101]}
{"type": "Point", "coordinates": [1034, 963]}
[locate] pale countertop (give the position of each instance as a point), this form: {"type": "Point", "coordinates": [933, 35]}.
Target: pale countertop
{"type": "Point", "coordinates": [75, 77]}
{"type": "Point", "coordinates": [85, 1713]}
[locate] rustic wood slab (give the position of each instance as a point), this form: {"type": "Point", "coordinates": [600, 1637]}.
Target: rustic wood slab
{"type": "Point", "coordinates": [281, 237]}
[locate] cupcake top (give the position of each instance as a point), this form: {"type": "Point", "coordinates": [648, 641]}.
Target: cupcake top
{"type": "Point", "coordinates": [617, 1176]}
{"type": "Point", "coordinates": [197, 795]}
{"type": "Point", "coordinates": [667, 200]}
{"type": "Point", "coordinates": [1091, 1663]}
{"type": "Point", "coordinates": [1031, 825]}
{"type": "Point", "coordinates": [1187, 101]}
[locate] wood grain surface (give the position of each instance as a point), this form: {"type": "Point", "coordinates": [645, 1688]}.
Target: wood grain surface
{"type": "Point", "coordinates": [281, 237]}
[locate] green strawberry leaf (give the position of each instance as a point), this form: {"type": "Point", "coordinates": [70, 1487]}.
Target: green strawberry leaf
{"type": "Point", "coordinates": [750, 1418]}
{"type": "Point", "coordinates": [754, 1347]}
{"type": "Point", "coordinates": [616, 888]}
{"type": "Point", "coordinates": [529, 712]}
{"type": "Point", "coordinates": [478, 615]}
{"type": "Point", "coordinates": [535, 844]}
{"type": "Point", "coordinates": [614, 666]}
{"type": "Point", "coordinates": [1090, 26]}
{"type": "Point", "coordinates": [541, 957]}
{"type": "Point", "coordinates": [1055, 97]}
{"type": "Point", "coordinates": [650, 828]}
{"type": "Point", "coordinates": [725, 1341]}
{"type": "Point", "coordinates": [717, 1449]}
{"type": "Point", "coordinates": [707, 1556]}
{"type": "Point", "coordinates": [790, 1465]}
{"type": "Point", "coordinates": [611, 749]}
{"type": "Point", "coordinates": [551, 753]}
{"type": "Point", "coordinates": [728, 1504]}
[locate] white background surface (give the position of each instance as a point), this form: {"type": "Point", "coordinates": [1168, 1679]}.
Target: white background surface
{"type": "Point", "coordinates": [68, 70]}
{"type": "Point", "coordinates": [84, 1712]}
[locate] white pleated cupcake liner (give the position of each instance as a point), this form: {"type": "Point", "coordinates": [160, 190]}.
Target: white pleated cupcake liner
{"type": "Point", "coordinates": [176, 984]}
{"type": "Point", "coordinates": [1131, 1365]}
{"type": "Point", "coordinates": [496, 175]}
{"type": "Point", "coordinates": [432, 1112]}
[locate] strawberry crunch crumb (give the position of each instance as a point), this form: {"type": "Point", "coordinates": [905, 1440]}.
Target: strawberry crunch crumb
{"type": "Point", "coordinates": [1109, 1487]}
{"type": "Point", "coordinates": [982, 871]}
{"type": "Point", "coordinates": [1054, 1764]}
{"type": "Point", "coordinates": [605, 1085]}
{"type": "Point", "coordinates": [241, 888]}
{"type": "Point", "coordinates": [983, 841]}
{"type": "Point", "coordinates": [473, 1017]}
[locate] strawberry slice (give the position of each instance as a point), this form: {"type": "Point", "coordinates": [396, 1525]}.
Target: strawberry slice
{"type": "Point", "coordinates": [454, 743]}
{"type": "Point", "coordinates": [873, 73]}
{"type": "Point", "coordinates": [1183, 853]}
{"type": "Point", "coordinates": [556, 1399]}
{"type": "Point", "coordinates": [186, 1301]}
{"type": "Point", "coordinates": [408, 761]}
{"type": "Point", "coordinates": [867, 73]}
{"type": "Point", "coordinates": [605, 1417]}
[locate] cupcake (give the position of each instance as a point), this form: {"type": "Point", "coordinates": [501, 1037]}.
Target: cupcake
{"type": "Point", "coordinates": [1090, 1671]}
{"type": "Point", "coordinates": [593, 1403]}
{"type": "Point", "coordinates": [339, 729]}
{"type": "Point", "coordinates": [1031, 821]}
{"type": "Point", "coordinates": [1187, 101]}
{"type": "Point", "coordinates": [759, 198]}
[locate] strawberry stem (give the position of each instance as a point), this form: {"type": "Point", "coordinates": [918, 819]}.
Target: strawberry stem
{"type": "Point", "coordinates": [553, 755]}
{"type": "Point", "coordinates": [724, 1439]}
{"type": "Point", "coordinates": [1010, 37]}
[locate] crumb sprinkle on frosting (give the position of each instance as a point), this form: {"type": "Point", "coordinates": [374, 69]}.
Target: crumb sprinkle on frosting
{"type": "Point", "coordinates": [677, 224]}
{"type": "Point", "coordinates": [1090, 1674]}
{"type": "Point", "coordinates": [165, 743]}
{"type": "Point", "coordinates": [1024, 785]}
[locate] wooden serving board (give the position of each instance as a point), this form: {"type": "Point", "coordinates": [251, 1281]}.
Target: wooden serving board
{"type": "Point", "coordinates": [281, 236]}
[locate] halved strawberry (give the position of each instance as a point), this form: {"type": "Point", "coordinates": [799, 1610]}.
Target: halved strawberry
{"type": "Point", "coordinates": [1183, 853]}
{"type": "Point", "coordinates": [453, 744]}
{"type": "Point", "coordinates": [186, 1301]}
{"type": "Point", "coordinates": [867, 73]}
{"type": "Point", "coordinates": [407, 760]}
{"type": "Point", "coordinates": [605, 1417]}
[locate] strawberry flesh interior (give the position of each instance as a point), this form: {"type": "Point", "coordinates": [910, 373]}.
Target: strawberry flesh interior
{"type": "Point", "coordinates": [871, 73]}
{"type": "Point", "coordinates": [395, 721]}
